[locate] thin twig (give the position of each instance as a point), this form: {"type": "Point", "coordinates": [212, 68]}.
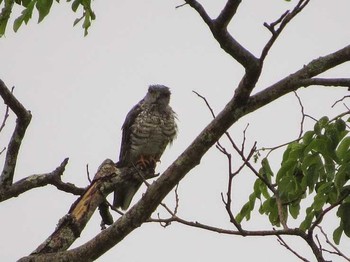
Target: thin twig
{"type": "Point", "coordinates": [284, 19]}
{"type": "Point", "coordinates": [324, 212]}
{"type": "Point", "coordinates": [302, 115]}
{"type": "Point", "coordinates": [284, 244]}
{"type": "Point", "coordinates": [340, 100]}
{"type": "Point", "coordinates": [337, 251]}
{"type": "Point", "coordinates": [6, 115]}
{"type": "Point", "coordinates": [206, 102]}
{"type": "Point", "coordinates": [88, 173]}
{"type": "Point", "coordinates": [178, 6]}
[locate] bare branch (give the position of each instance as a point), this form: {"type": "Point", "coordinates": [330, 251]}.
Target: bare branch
{"type": "Point", "coordinates": [337, 251]}
{"type": "Point", "coordinates": [325, 211]}
{"type": "Point", "coordinates": [282, 22]}
{"type": "Point", "coordinates": [201, 11]}
{"type": "Point", "coordinates": [284, 244]}
{"type": "Point", "coordinates": [34, 181]}
{"type": "Point", "coordinates": [326, 82]}
{"type": "Point", "coordinates": [6, 115]}
{"type": "Point", "coordinates": [207, 103]}
{"type": "Point", "coordinates": [226, 41]}
{"type": "Point", "coordinates": [302, 115]}
{"type": "Point", "coordinates": [340, 100]}
{"type": "Point", "coordinates": [107, 179]}
{"type": "Point", "coordinates": [295, 80]}
{"type": "Point", "coordinates": [227, 13]}
{"type": "Point", "coordinates": [23, 120]}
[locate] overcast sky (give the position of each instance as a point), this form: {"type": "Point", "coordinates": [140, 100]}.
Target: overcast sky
{"type": "Point", "coordinates": [79, 90]}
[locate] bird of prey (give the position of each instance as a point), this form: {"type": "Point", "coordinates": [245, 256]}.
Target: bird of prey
{"type": "Point", "coordinates": [148, 128]}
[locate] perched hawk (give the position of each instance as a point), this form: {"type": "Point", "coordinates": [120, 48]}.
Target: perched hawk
{"type": "Point", "coordinates": [148, 128]}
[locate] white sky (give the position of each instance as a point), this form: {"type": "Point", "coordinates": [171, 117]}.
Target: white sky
{"type": "Point", "coordinates": [80, 89]}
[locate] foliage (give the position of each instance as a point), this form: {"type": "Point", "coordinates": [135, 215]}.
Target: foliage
{"type": "Point", "coordinates": [318, 166]}
{"type": "Point", "coordinates": [43, 8]}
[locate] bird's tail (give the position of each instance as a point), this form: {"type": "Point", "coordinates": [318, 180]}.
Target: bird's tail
{"type": "Point", "coordinates": [124, 195]}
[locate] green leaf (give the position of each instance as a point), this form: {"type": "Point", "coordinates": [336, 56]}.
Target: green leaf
{"type": "Point", "coordinates": [337, 234]}
{"type": "Point", "coordinates": [267, 169]}
{"type": "Point", "coordinates": [4, 16]}
{"type": "Point", "coordinates": [340, 125]}
{"type": "Point", "coordinates": [308, 136]}
{"type": "Point", "coordinates": [43, 7]}
{"type": "Point", "coordinates": [324, 188]}
{"type": "Point", "coordinates": [319, 202]}
{"type": "Point", "coordinates": [343, 148]}
{"type": "Point", "coordinates": [256, 187]}
{"type": "Point", "coordinates": [76, 4]}
{"type": "Point", "coordinates": [344, 214]}
{"type": "Point", "coordinates": [294, 209]}
{"type": "Point", "coordinates": [87, 23]}
{"type": "Point", "coordinates": [243, 213]}
{"type": "Point", "coordinates": [297, 151]}
{"type": "Point", "coordinates": [320, 125]}
{"type": "Point", "coordinates": [308, 219]}
{"type": "Point", "coordinates": [286, 153]}
{"type": "Point", "coordinates": [76, 21]}
{"type": "Point", "coordinates": [342, 176]}
{"type": "Point", "coordinates": [3, 24]}
{"type": "Point", "coordinates": [24, 17]}
{"type": "Point", "coordinates": [286, 169]}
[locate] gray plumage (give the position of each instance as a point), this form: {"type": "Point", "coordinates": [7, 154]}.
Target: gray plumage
{"type": "Point", "coordinates": [148, 128]}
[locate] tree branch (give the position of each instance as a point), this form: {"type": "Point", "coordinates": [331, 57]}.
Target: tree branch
{"type": "Point", "coordinates": [34, 181]}
{"type": "Point", "coordinates": [23, 120]}
{"type": "Point", "coordinates": [6, 115]}
{"type": "Point", "coordinates": [337, 251]}
{"type": "Point", "coordinates": [282, 21]}
{"type": "Point", "coordinates": [227, 13]}
{"type": "Point", "coordinates": [284, 244]}
{"type": "Point", "coordinates": [297, 79]}
{"type": "Point", "coordinates": [107, 179]}
{"type": "Point", "coordinates": [326, 82]}
{"type": "Point", "coordinates": [218, 28]}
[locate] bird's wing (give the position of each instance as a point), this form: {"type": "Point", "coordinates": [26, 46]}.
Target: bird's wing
{"type": "Point", "coordinates": [126, 145]}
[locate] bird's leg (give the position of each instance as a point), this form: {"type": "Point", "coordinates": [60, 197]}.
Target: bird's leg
{"type": "Point", "coordinates": [145, 163]}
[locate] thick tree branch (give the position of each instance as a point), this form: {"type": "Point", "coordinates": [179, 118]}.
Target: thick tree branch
{"type": "Point", "coordinates": [218, 28]}
{"type": "Point", "coordinates": [201, 11]}
{"type": "Point", "coordinates": [326, 82]}
{"type": "Point", "coordinates": [107, 179]}
{"type": "Point", "coordinates": [34, 181]}
{"type": "Point", "coordinates": [23, 120]}
{"type": "Point", "coordinates": [227, 13]}
{"type": "Point", "coordinates": [297, 79]}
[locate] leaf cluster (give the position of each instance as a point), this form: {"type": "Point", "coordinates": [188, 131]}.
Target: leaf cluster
{"type": "Point", "coordinates": [43, 8]}
{"type": "Point", "coordinates": [317, 168]}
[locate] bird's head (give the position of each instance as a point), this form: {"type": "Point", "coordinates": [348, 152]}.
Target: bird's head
{"type": "Point", "coordinates": [158, 94]}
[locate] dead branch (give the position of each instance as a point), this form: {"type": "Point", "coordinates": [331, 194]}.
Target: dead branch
{"type": "Point", "coordinates": [6, 115]}
{"type": "Point", "coordinates": [34, 181]}
{"type": "Point", "coordinates": [282, 22]}
{"type": "Point", "coordinates": [107, 179]}
{"type": "Point", "coordinates": [302, 115]}
{"type": "Point", "coordinates": [23, 119]}
{"type": "Point", "coordinates": [336, 250]}
{"type": "Point", "coordinates": [284, 244]}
